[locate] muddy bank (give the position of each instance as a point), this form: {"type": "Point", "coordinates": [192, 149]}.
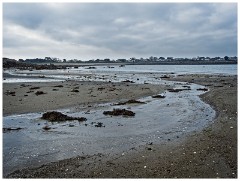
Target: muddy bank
{"type": "Point", "coordinates": [41, 97]}
{"type": "Point", "coordinates": [210, 153]}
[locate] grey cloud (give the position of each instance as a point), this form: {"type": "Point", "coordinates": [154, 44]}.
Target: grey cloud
{"type": "Point", "coordinates": [137, 29]}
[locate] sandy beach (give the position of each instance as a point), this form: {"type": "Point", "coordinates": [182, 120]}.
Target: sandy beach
{"type": "Point", "coordinates": [57, 95]}
{"type": "Point", "coordinates": [210, 153]}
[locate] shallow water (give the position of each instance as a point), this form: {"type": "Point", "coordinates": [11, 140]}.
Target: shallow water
{"type": "Point", "coordinates": [157, 121]}
{"type": "Point", "coordinates": [138, 73]}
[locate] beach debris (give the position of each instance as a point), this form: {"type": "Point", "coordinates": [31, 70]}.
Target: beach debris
{"type": "Point", "coordinates": [217, 86]}
{"type": "Point", "coordinates": [158, 96]}
{"type": "Point", "coordinates": [12, 93]}
{"type": "Point", "coordinates": [29, 91]}
{"type": "Point", "coordinates": [39, 93]}
{"type": "Point", "coordinates": [164, 77]}
{"type": "Point", "coordinates": [90, 68]}
{"type": "Point", "coordinates": [187, 86]}
{"type": "Point", "coordinates": [101, 88]}
{"type": "Point", "coordinates": [24, 85]}
{"type": "Point", "coordinates": [54, 89]}
{"type": "Point", "coordinates": [46, 127]}
{"type": "Point", "coordinates": [32, 88]}
{"type": "Point", "coordinates": [11, 129]}
{"type": "Point", "coordinates": [118, 112]}
{"type": "Point", "coordinates": [175, 90]}
{"type": "Point", "coordinates": [58, 116]}
{"type": "Point", "coordinates": [58, 86]}
{"type": "Point", "coordinates": [202, 89]}
{"type": "Point", "coordinates": [99, 125]}
{"type": "Point", "coordinates": [128, 81]}
{"type": "Point", "coordinates": [74, 90]}
{"type": "Point", "coordinates": [112, 89]}
{"type": "Point", "coordinates": [131, 101]}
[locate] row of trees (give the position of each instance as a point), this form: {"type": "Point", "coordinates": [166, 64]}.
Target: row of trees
{"type": "Point", "coordinates": [133, 59]}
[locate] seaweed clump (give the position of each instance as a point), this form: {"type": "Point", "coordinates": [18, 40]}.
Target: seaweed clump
{"type": "Point", "coordinates": [202, 89]}
{"type": "Point", "coordinates": [40, 93]}
{"type": "Point", "coordinates": [119, 112]}
{"type": "Point", "coordinates": [131, 101]}
{"type": "Point", "coordinates": [57, 116]}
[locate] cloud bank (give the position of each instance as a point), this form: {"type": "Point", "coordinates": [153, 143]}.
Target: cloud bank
{"type": "Point", "coordinates": [119, 30]}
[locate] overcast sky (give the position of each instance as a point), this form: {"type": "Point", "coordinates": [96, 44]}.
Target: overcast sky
{"type": "Point", "coordinates": [112, 30]}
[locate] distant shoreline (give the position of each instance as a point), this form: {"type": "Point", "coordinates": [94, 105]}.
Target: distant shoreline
{"type": "Point", "coordinates": [147, 63]}
{"type": "Point", "coordinates": [8, 63]}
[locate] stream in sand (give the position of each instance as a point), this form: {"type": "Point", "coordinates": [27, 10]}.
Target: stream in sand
{"type": "Point", "coordinates": [157, 121]}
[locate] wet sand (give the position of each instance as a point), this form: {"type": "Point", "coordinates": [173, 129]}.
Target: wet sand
{"type": "Point", "coordinates": [57, 95]}
{"type": "Point", "coordinates": [209, 153]}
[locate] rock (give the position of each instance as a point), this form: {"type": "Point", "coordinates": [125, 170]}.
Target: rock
{"type": "Point", "coordinates": [46, 127]}
{"type": "Point", "coordinates": [57, 116]}
{"type": "Point", "coordinates": [117, 112]}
